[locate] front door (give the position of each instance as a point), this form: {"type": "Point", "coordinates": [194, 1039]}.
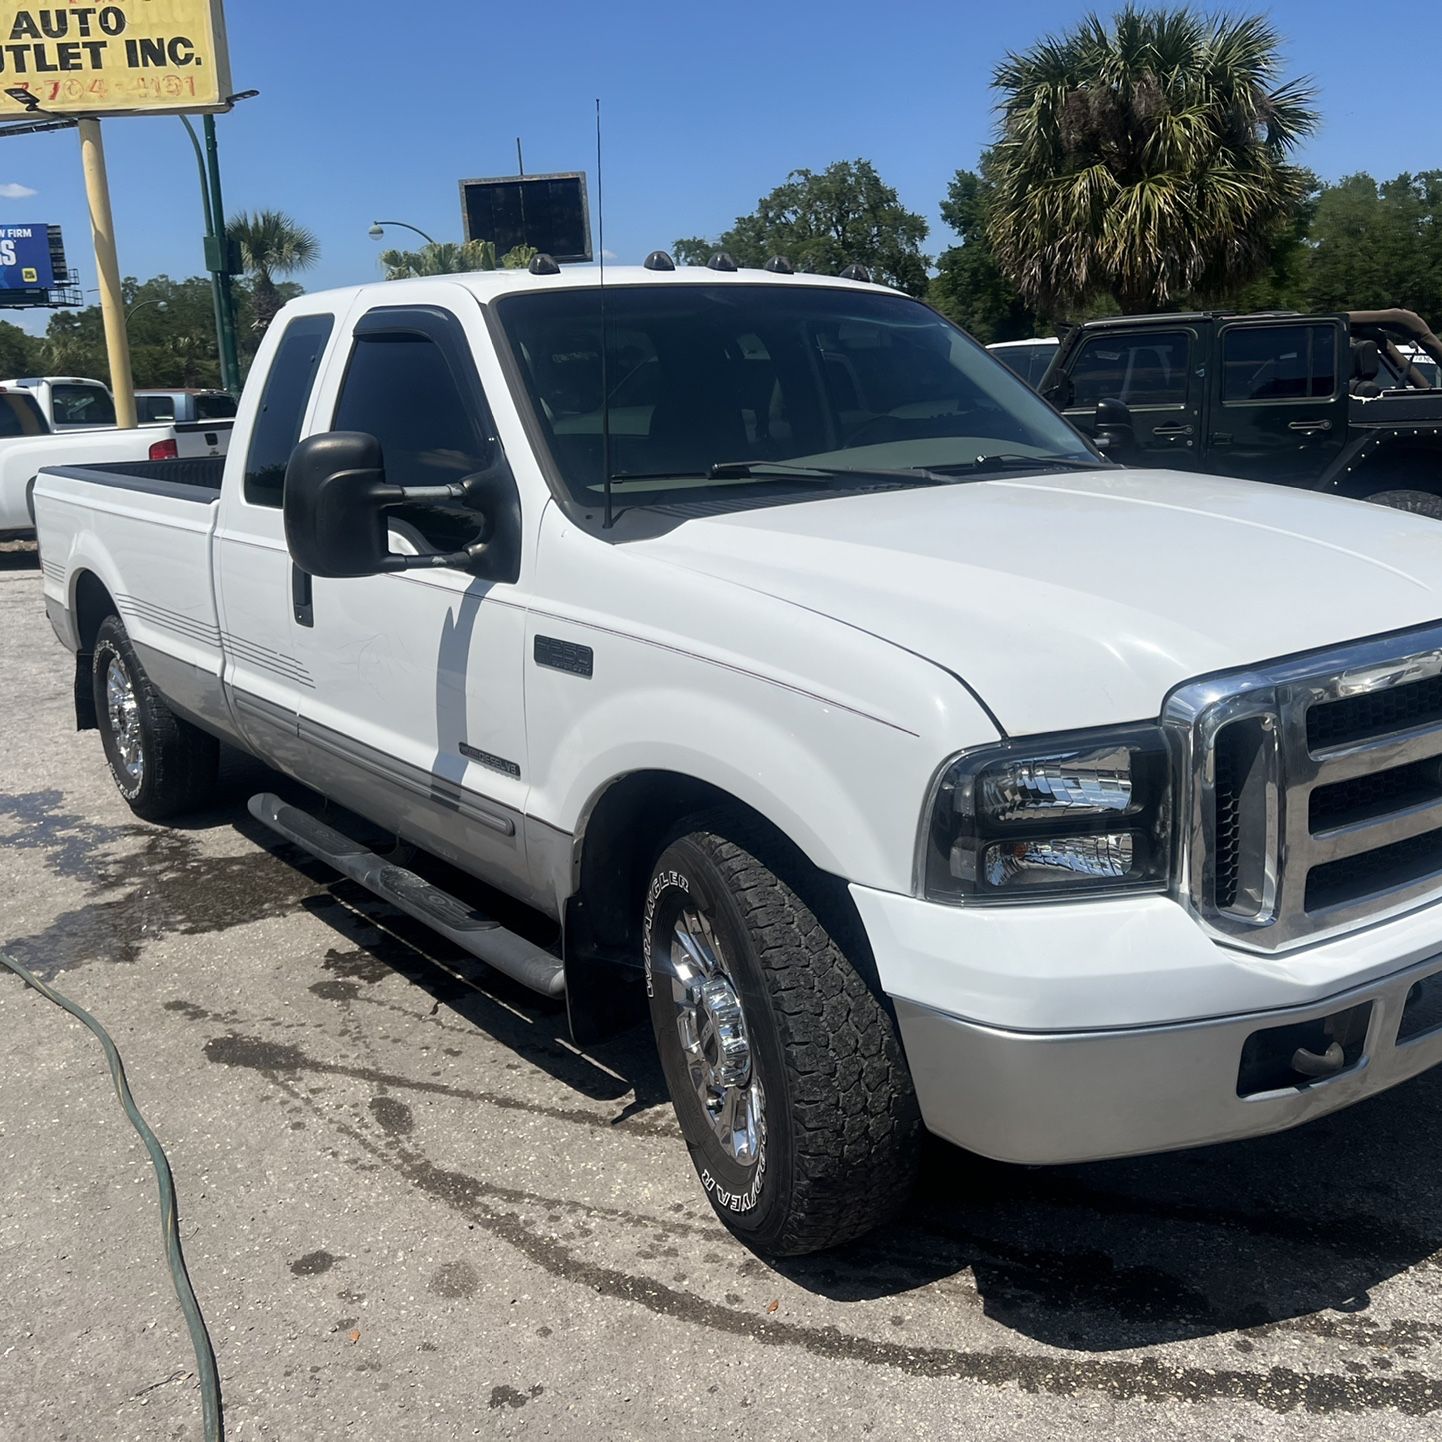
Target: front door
{"type": "Point", "coordinates": [416, 716]}
{"type": "Point", "coordinates": [1279, 400]}
{"type": "Point", "coordinates": [1151, 372]}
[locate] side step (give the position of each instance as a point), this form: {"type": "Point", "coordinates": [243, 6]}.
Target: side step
{"type": "Point", "coordinates": [483, 938]}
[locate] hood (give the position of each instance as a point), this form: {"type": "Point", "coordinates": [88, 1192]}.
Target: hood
{"type": "Point", "coordinates": [1082, 600]}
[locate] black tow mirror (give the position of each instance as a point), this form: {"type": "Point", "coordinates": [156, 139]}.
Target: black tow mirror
{"type": "Point", "coordinates": [1115, 431]}
{"type": "Point", "coordinates": [336, 499]}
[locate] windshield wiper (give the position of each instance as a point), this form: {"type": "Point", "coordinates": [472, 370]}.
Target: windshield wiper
{"type": "Point", "coordinates": [1010, 461]}
{"type": "Point", "coordinates": [784, 470]}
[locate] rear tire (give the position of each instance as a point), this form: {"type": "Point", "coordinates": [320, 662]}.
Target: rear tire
{"type": "Point", "coordinates": [784, 1064]}
{"type": "Point", "coordinates": [162, 766]}
{"type": "Point", "coordinates": [1419, 503]}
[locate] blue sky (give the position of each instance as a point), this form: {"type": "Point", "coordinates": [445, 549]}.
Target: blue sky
{"type": "Point", "coordinates": [375, 110]}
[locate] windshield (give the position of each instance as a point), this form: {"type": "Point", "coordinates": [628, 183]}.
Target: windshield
{"type": "Point", "coordinates": [843, 382]}
{"type": "Point", "coordinates": [82, 406]}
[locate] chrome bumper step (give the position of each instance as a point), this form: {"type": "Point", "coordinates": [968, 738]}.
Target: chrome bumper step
{"type": "Point", "coordinates": [474, 932]}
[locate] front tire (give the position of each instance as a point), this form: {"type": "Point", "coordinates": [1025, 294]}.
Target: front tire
{"type": "Point", "coordinates": [1419, 503]}
{"type": "Point", "coordinates": [784, 1064]}
{"type": "Point", "coordinates": [162, 766]}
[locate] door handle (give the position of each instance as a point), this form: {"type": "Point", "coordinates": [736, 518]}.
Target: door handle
{"type": "Point", "coordinates": [1166, 432]}
{"type": "Point", "coordinates": [1310, 426]}
{"type": "Point", "coordinates": [302, 596]}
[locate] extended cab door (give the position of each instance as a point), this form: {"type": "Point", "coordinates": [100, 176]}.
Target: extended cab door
{"type": "Point", "coordinates": [415, 715]}
{"type": "Point", "coordinates": [1279, 408]}
{"type": "Point", "coordinates": [255, 579]}
{"type": "Point", "coordinates": [1152, 370]}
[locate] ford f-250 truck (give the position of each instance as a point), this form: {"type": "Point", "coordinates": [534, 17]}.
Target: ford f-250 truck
{"type": "Point", "coordinates": [809, 674]}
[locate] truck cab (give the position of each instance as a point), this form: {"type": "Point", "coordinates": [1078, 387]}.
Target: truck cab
{"type": "Point", "coordinates": [1327, 402]}
{"type": "Point", "coordinates": [805, 683]}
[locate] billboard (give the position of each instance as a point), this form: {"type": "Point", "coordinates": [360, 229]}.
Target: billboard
{"type": "Point", "coordinates": [25, 262]}
{"type": "Point", "coordinates": [129, 57]}
{"type": "Point", "coordinates": [548, 212]}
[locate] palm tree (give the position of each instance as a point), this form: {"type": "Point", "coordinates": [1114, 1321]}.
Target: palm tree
{"type": "Point", "coordinates": [1146, 158]}
{"type": "Point", "coordinates": [446, 257]}
{"type": "Point", "coordinates": [271, 244]}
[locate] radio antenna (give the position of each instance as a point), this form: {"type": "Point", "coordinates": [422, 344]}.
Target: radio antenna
{"type": "Point", "coordinates": [609, 518]}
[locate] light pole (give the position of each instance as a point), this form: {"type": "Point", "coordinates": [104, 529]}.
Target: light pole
{"type": "Point", "coordinates": [378, 230]}
{"type": "Point", "coordinates": [219, 257]}
{"type": "Point", "coordinates": [140, 305]}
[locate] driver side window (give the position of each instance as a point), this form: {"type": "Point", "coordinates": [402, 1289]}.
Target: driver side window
{"type": "Point", "coordinates": [402, 388]}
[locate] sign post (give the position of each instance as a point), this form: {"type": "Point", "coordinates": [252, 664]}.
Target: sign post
{"type": "Point", "coordinates": [107, 266]}
{"type": "Point", "coordinates": [128, 57]}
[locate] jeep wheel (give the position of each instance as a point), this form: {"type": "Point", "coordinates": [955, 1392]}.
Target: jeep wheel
{"type": "Point", "coordinates": [161, 764]}
{"type": "Point", "coordinates": [783, 1064]}
{"type": "Point", "coordinates": [1420, 503]}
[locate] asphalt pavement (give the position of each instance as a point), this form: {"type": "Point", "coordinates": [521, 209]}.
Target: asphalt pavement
{"type": "Point", "coordinates": [413, 1210]}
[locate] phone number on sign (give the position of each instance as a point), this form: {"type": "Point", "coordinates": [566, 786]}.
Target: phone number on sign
{"type": "Point", "coordinates": [144, 87]}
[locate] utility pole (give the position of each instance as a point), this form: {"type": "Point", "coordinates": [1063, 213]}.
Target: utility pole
{"type": "Point", "coordinates": [223, 266]}
{"type": "Point", "coordinates": [107, 265]}
{"type": "Point", "coordinates": [218, 252]}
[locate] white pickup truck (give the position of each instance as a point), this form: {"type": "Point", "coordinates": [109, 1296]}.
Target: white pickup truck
{"type": "Point", "coordinates": [797, 666]}
{"type": "Point", "coordinates": [27, 443]}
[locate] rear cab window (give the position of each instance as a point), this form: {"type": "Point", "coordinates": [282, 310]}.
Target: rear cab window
{"type": "Point", "coordinates": [78, 405]}
{"type": "Point", "coordinates": [283, 405]}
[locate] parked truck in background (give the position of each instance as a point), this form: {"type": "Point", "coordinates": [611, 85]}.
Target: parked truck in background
{"type": "Point", "coordinates": [798, 673]}
{"type": "Point", "coordinates": [27, 443]}
{"type": "Point", "coordinates": [69, 403]}
{"type": "Point", "coordinates": [1335, 403]}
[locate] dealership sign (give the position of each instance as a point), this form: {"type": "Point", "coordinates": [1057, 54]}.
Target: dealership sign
{"type": "Point", "coordinates": [131, 57]}
{"type": "Point", "coordinates": [25, 262]}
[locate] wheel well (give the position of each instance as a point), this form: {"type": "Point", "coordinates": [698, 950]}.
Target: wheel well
{"type": "Point", "coordinates": [1412, 465]}
{"type": "Point", "coordinates": [618, 842]}
{"type": "Point", "coordinates": [93, 603]}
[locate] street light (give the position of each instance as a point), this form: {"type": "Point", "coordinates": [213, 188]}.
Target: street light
{"type": "Point", "coordinates": [217, 248]}
{"type": "Point", "coordinates": [378, 230]}
{"type": "Point", "coordinates": [141, 306]}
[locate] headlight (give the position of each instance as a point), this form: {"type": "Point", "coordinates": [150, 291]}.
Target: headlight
{"type": "Point", "coordinates": [1078, 815]}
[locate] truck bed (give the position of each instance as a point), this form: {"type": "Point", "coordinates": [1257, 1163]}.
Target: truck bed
{"type": "Point", "coordinates": [194, 478]}
{"type": "Point", "coordinates": [143, 529]}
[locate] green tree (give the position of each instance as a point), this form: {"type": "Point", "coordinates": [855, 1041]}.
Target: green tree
{"type": "Point", "coordinates": [1146, 158]}
{"type": "Point", "coordinates": [447, 257]}
{"type": "Point", "coordinates": [172, 333]}
{"type": "Point", "coordinates": [20, 354]}
{"type": "Point", "coordinates": [969, 286]}
{"type": "Point", "coordinates": [1373, 246]}
{"type": "Point", "coordinates": [824, 221]}
{"type": "Point", "coordinates": [271, 245]}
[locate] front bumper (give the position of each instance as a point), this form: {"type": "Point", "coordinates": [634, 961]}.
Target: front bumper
{"type": "Point", "coordinates": [1119, 1028]}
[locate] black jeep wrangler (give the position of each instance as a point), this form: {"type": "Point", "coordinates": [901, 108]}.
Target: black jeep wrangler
{"type": "Point", "coordinates": [1343, 403]}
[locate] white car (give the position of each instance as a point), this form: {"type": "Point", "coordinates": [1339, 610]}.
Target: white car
{"type": "Point", "coordinates": [1030, 359]}
{"type": "Point", "coordinates": [818, 689]}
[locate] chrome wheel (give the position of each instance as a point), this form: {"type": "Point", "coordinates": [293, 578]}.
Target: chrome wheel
{"type": "Point", "coordinates": [714, 1040]}
{"type": "Point", "coordinates": [123, 713]}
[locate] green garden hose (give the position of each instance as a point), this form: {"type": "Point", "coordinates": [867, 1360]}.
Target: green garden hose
{"type": "Point", "coordinates": [170, 1219]}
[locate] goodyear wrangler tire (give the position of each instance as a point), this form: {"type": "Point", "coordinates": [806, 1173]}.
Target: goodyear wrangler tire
{"type": "Point", "coordinates": [783, 1062]}
{"type": "Point", "coordinates": [163, 766]}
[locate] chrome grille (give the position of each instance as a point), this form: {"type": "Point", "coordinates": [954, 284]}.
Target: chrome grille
{"type": "Point", "coordinates": [1312, 798]}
